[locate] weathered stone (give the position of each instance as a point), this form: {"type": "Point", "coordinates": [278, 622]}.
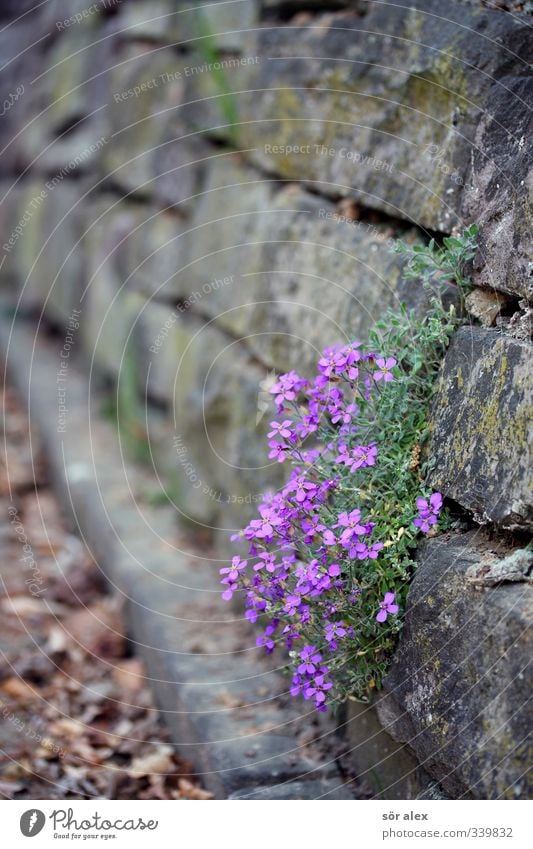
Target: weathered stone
{"type": "Point", "coordinates": [310, 276]}
{"type": "Point", "coordinates": [28, 213]}
{"type": "Point", "coordinates": [61, 266]}
{"type": "Point", "coordinates": [386, 766]}
{"type": "Point", "coordinates": [226, 232]}
{"type": "Point", "coordinates": [485, 305]}
{"type": "Point", "coordinates": [314, 789]}
{"type": "Point", "coordinates": [20, 64]}
{"type": "Point", "coordinates": [457, 693]}
{"type": "Point", "coordinates": [285, 8]}
{"type": "Point", "coordinates": [145, 89]}
{"type": "Point", "coordinates": [154, 253]}
{"type": "Point", "coordinates": [110, 311]}
{"type": "Point", "coordinates": [67, 125]}
{"type": "Point", "coordinates": [10, 277]}
{"type": "Point", "coordinates": [179, 23]}
{"type": "Point", "coordinates": [501, 189]}
{"type": "Point", "coordinates": [396, 134]}
{"type": "Point", "coordinates": [214, 451]}
{"type": "Point", "coordinates": [482, 425]}
{"type": "Point", "coordinates": [179, 167]}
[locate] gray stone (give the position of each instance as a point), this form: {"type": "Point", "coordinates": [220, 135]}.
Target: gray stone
{"type": "Point", "coordinates": [485, 305]}
{"type": "Point", "coordinates": [314, 789]}
{"type": "Point", "coordinates": [501, 189]}
{"type": "Point", "coordinates": [28, 210]}
{"type": "Point", "coordinates": [230, 220]}
{"type": "Point", "coordinates": [67, 122]}
{"type": "Point", "coordinates": [110, 310]}
{"type": "Point", "coordinates": [390, 118]}
{"type": "Point", "coordinates": [145, 90]}
{"type": "Point", "coordinates": [457, 693]}
{"type": "Point", "coordinates": [61, 265]}
{"type": "Point", "coordinates": [179, 23]}
{"type": "Point", "coordinates": [388, 768]}
{"type": "Point", "coordinates": [214, 450]}
{"type": "Point", "coordinates": [309, 276]}
{"type": "Point", "coordinates": [154, 254]}
{"type": "Point", "coordinates": [285, 8]}
{"type": "Point", "coordinates": [481, 424]}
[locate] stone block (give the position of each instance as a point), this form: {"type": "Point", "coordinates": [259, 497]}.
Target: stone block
{"type": "Point", "coordinates": [179, 23]}
{"type": "Point", "coordinates": [110, 310]}
{"type": "Point", "coordinates": [457, 693]}
{"type": "Point", "coordinates": [382, 106]}
{"type": "Point", "coordinates": [482, 426]}
{"type": "Point", "coordinates": [501, 189]}
{"type": "Point", "coordinates": [145, 91]}
{"type": "Point", "coordinates": [384, 765]}
{"type": "Point", "coordinates": [214, 448]}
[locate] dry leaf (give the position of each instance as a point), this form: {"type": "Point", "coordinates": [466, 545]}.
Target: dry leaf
{"type": "Point", "coordinates": [158, 761]}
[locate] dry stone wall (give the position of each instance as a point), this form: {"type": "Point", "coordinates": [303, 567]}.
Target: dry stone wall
{"type": "Point", "coordinates": [216, 190]}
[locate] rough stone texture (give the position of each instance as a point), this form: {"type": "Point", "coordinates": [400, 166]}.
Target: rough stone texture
{"type": "Point", "coordinates": [231, 220]}
{"type": "Point", "coordinates": [386, 766]}
{"type": "Point", "coordinates": [457, 693]}
{"type": "Point", "coordinates": [500, 199]}
{"type": "Point", "coordinates": [406, 79]}
{"type": "Point", "coordinates": [316, 278]}
{"type": "Point", "coordinates": [326, 789]}
{"type": "Point", "coordinates": [60, 268]}
{"type": "Point", "coordinates": [66, 123]}
{"type": "Point", "coordinates": [110, 309]}
{"type": "Point", "coordinates": [138, 118]}
{"type": "Point", "coordinates": [183, 25]}
{"type": "Point", "coordinates": [484, 305]}
{"type": "Point", "coordinates": [25, 203]}
{"type": "Point", "coordinates": [482, 426]}
{"type": "Point", "coordinates": [212, 452]}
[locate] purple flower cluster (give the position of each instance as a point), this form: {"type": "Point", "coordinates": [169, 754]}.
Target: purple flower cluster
{"type": "Point", "coordinates": [298, 577]}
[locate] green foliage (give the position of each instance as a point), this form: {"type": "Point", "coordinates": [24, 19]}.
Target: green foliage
{"type": "Point", "coordinates": [430, 262]}
{"type": "Point", "coordinates": [126, 410]}
{"type": "Point", "coordinates": [226, 99]}
{"type": "Point", "coordinates": [397, 419]}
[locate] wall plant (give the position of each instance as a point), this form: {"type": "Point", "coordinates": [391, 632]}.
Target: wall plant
{"type": "Point", "coordinates": [331, 555]}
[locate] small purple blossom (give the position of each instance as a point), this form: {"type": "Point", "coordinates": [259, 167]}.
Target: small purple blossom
{"type": "Point", "coordinates": [428, 512]}
{"type": "Point", "coordinates": [384, 366]}
{"type": "Point", "coordinates": [387, 607]}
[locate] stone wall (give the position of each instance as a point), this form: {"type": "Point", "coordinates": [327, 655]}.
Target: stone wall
{"type": "Point", "coordinates": [215, 190]}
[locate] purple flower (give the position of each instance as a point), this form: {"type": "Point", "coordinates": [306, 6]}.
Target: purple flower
{"type": "Point", "coordinates": [287, 388]}
{"type": "Point", "coordinates": [329, 538]}
{"type": "Point", "coordinates": [334, 630]}
{"type": "Point", "coordinates": [281, 429]}
{"type": "Point", "coordinates": [387, 607]}
{"type": "Point", "coordinates": [232, 572]}
{"type": "Point", "coordinates": [310, 658]}
{"type": "Point", "coordinates": [428, 512]}
{"type": "Point", "coordinates": [364, 455]}
{"type": "Point", "coordinates": [342, 414]}
{"type": "Point", "coordinates": [278, 450]}
{"type": "Point", "coordinates": [384, 367]}
{"type": "Point", "coordinates": [344, 456]}
{"type": "Point", "coordinates": [305, 489]}
{"type": "Point", "coordinates": [332, 361]}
